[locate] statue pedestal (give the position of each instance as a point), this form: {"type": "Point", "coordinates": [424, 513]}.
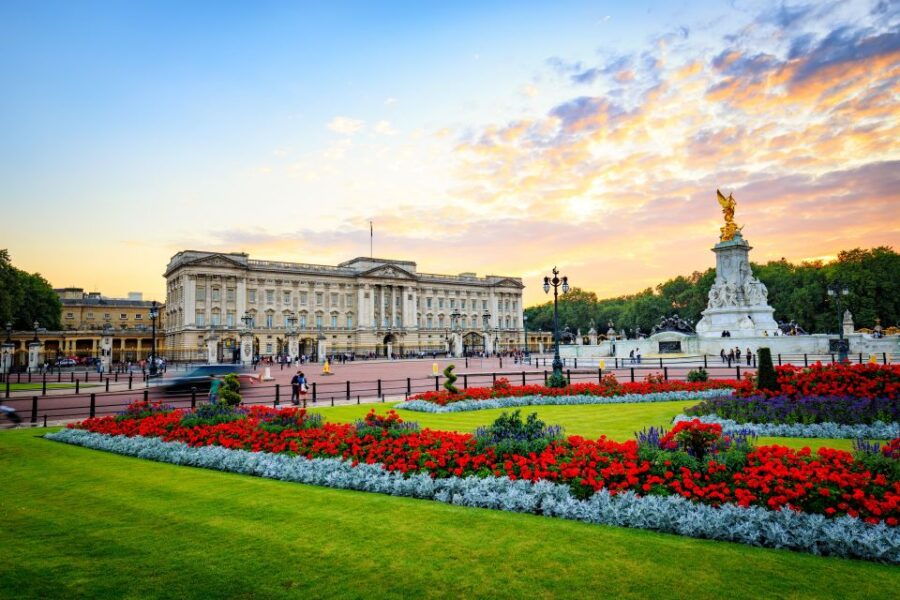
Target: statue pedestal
{"type": "Point", "coordinates": [34, 356]}
{"type": "Point", "coordinates": [246, 348]}
{"type": "Point", "coordinates": [6, 357]}
{"type": "Point", "coordinates": [738, 302]}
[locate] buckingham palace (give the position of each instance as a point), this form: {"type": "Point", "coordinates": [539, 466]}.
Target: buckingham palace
{"type": "Point", "coordinates": [218, 302]}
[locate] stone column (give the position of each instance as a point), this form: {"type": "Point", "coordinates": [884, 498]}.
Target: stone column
{"type": "Point", "coordinates": [6, 357]}
{"type": "Point", "coordinates": [106, 343]}
{"type": "Point", "coordinates": [34, 355]}
{"type": "Point", "coordinates": [246, 347]}
{"type": "Point", "coordinates": [190, 300]}
{"type": "Point", "coordinates": [212, 347]}
{"type": "Point", "coordinates": [360, 306]}
{"type": "Point", "coordinates": [321, 349]}
{"type": "Point", "coordinates": [488, 342]}
{"type": "Point", "coordinates": [240, 299]}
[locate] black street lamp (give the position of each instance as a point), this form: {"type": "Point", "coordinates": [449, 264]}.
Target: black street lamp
{"type": "Point", "coordinates": [154, 314]}
{"type": "Point", "coordinates": [246, 320]}
{"type": "Point", "coordinates": [837, 290]}
{"type": "Point", "coordinates": [8, 333]}
{"type": "Point", "coordinates": [556, 283]}
{"type": "Point", "coordinates": [525, 332]}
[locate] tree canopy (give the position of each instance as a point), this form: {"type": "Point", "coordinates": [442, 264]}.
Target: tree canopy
{"type": "Point", "coordinates": [26, 298]}
{"type": "Point", "coordinates": [797, 292]}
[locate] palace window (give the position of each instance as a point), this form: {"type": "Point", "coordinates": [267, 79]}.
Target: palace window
{"type": "Point", "coordinates": [229, 318]}
{"type": "Point", "coordinates": [440, 322]}
{"type": "Point", "coordinates": [229, 295]}
{"type": "Point", "coordinates": [70, 315]}
{"type": "Point", "coordinates": [268, 347]}
{"type": "Point", "coordinates": [452, 302]}
{"type": "Point", "coordinates": [428, 303]}
{"type": "Point", "coordinates": [334, 320]}
{"type": "Point", "coordinates": [515, 304]}
{"type": "Point", "coordinates": [318, 320]}
{"type": "Point", "coordinates": [397, 321]}
{"type": "Point", "coordinates": [320, 297]}
{"type": "Point", "coordinates": [139, 316]}
{"type": "Point", "coordinates": [215, 318]}
{"type": "Point", "coordinates": [484, 305]}
{"type": "Point", "coordinates": [440, 303]}
{"type": "Point", "coordinates": [287, 297]}
{"type": "Point", "coordinates": [251, 296]}
{"type": "Point", "coordinates": [349, 300]}
{"type": "Point", "coordinates": [334, 299]}
{"type": "Point", "coordinates": [200, 319]}
{"type": "Point", "coordinates": [303, 298]}
{"type": "Point", "coordinates": [270, 296]}
{"type": "Point", "coordinates": [123, 316]}
{"type": "Point", "coordinates": [201, 292]}
{"type": "Point", "coordinates": [349, 320]}
{"type": "Point", "coordinates": [430, 323]}
{"type": "Point", "coordinates": [303, 320]}
{"type": "Point", "coordinates": [270, 320]}
{"type": "Point", "coordinates": [216, 294]}
{"type": "Point", "coordinates": [463, 303]}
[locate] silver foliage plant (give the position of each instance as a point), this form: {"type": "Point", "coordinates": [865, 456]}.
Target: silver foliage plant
{"type": "Point", "coordinates": [878, 430]}
{"type": "Point", "coordinates": [845, 536]}
{"type": "Point", "coordinates": [538, 400]}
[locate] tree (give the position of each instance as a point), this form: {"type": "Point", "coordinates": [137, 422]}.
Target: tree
{"type": "Point", "coordinates": [26, 298]}
{"type": "Point", "coordinates": [797, 292]}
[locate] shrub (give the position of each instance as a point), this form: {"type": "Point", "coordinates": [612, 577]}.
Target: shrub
{"type": "Point", "coordinates": [501, 386]}
{"type": "Point", "coordinates": [844, 410]}
{"type": "Point", "coordinates": [654, 378]}
{"type": "Point", "coordinates": [451, 379]}
{"type": "Point", "coordinates": [290, 418]}
{"type": "Point", "coordinates": [508, 434]}
{"type": "Point", "coordinates": [765, 374]}
{"type": "Point", "coordinates": [695, 375]}
{"type": "Point", "coordinates": [230, 392]}
{"type": "Point", "coordinates": [212, 413]}
{"type": "Point", "coordinates": [141, 409]}
{"type": "Point", "coordinates": [557, 380]}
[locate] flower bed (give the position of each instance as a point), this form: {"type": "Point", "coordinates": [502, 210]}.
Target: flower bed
{"type": "Point", "coordinates": [560, 400]}
{"type": "Point", "coordinates": [805, 410]}
{"type": "Point", "coordinates": [838, 379]}
{"type": "Point", "coordinates": [877, 430]}
{"type": "Point", "coordinates": [829, 482]}
{"type": "Point", "coordinates": [609, 386]}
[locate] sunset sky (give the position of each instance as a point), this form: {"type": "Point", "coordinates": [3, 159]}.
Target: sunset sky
{"type": "Point", "coordinates": [496, 137]}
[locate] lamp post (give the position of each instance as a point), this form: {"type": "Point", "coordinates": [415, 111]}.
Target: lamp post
{"type": "Point", "coordinates": [556, 283]}
{"type": "Point", "coordinates": [154, 314]}
{"type": "Point", "coordinates": [8, 333]}
{"type": "Point", "coordinates": [837, 290]}
{"type": "Point", "coordinates": [525, 333]}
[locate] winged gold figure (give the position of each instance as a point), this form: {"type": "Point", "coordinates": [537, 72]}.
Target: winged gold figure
{"type": "Point", "coordinates": [730, 228]}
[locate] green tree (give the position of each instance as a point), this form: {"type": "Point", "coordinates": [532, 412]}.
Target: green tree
{"type": "Point", "coordinates": [26, 298]}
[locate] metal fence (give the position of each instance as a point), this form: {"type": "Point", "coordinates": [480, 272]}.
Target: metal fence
{"type": "Point", "coordinates": [91, 396]}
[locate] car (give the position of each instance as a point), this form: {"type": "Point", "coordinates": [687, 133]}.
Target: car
{"type": "Point", "coordinates": [200, 378]}
{"type": "Point", "coordinates": [66, 362]}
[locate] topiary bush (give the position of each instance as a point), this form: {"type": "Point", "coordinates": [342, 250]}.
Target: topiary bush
{"type": "Point", "coordinates": [230, 393]}
{"type": "Point", "coordinates": [765, 374]}
{"type": "Point", "coordinates": [451, 379]}
{"type": "Point", "coordinates": [557, 380]}
{"type": "Point", "coordinates": [695, 375]}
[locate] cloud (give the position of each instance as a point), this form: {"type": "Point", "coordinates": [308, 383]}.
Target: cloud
{"type": "Point", "coordinates": [345, 125]}
{"type": "Point", "coordinates": [384, 128]}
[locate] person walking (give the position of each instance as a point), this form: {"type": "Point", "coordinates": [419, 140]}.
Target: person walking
{"type": "Point", "coordinates": [730, 357]}
{"type": "Point", "coordinates": [631, 357]}
{"type": "Point", "coordinates": [749, 357]}
{"type": "Point", "coordinates": [214, 387]}
{"type": "Point", "coordinates": [722, 354]}
{"type": "Point", "coordinates": [637, 355]}
{"type": "Point", "coordinates": [295, 388]}
{"type": "Point", "coordinates": [302, 386]}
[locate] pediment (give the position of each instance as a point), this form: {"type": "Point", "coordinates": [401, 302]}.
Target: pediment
{"type": "Point", "coordinates": [507, 282]}
{"type": "Point", "coordinates": [388, 271]}
{"type": "Point", "coordinates": [216, 260]}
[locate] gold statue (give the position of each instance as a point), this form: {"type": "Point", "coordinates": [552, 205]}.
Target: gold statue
{"type": "Point", "coordinates": [730, 228]}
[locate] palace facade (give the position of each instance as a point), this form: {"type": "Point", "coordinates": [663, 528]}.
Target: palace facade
{"type": "Point", "coordinates": [362, 306]}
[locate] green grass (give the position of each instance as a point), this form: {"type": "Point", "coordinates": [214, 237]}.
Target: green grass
{"type": "Point", "coordinates": [616, 421]}
{"type": "Point", "coordinates": [37, 385]}
{"type": "Point", "coordinates": [79, 523]}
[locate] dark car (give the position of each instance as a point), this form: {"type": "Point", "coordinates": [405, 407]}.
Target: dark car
{"type": "Point", "coordinates": [200, 379]}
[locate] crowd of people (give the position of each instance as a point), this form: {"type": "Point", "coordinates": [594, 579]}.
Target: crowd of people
{"type": "Point", "coordinates": [734, 356]}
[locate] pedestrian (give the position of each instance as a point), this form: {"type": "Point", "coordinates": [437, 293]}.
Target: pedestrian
{"type": "Point", "coordinates": [301, 381]}
{"type": "Point", "coordinates": [637, 355]}
{"type": "Point", "coordinates": [722, 354]}
{"type": "Point", "coordinates": [730, 357]}
{"type": "Point", "coordinates": [10, 413]}
{"type": "Point", "coordinates": [214, 386]}
{"type": "Point", "coordinates": [737, 354]}
{"type": "Point", "coordinates": [749, 357]}
{"type": "Point", "coordinates": [295, 388]}
{"type": "Point", "coordinates": [631, 357]}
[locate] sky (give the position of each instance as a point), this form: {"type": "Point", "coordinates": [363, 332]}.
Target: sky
{"type": "Point", "coordinates": [497, 137]}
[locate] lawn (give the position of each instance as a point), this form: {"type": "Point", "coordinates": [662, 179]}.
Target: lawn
{"type": "Point", "coordinates": [81, 523]}
{"type": "Point", "coordinates": [37, 385]}
{"type": "Point", "coordinates": [616, 421]}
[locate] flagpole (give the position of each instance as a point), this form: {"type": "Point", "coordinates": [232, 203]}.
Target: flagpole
{"type": "Point", "coordinates": [371, 237]}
